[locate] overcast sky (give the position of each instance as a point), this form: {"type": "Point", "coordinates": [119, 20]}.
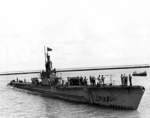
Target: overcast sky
{"type": "Point", "coordinates": [82, 33]}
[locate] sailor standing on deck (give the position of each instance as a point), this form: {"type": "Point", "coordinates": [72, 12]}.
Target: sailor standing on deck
{"type": "Point", "coordinates": [85, 81]}
{"type": "Point", "coordinates": [102, 78]}
{"type": "Point", "coordinates": [122, 79]}
{"type": "Point", "coordinates": [130, 79]}
{"type": "Point", "coordinates": [125, 80]}
{"type": "Point", "coordinates": [99, 80]}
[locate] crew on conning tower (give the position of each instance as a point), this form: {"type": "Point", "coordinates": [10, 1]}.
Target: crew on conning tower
{"type": "Point", "coordinates": [48, 64]}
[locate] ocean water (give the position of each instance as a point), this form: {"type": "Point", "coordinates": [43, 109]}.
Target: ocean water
{"type": "Point", "coordinates": [16, 103]}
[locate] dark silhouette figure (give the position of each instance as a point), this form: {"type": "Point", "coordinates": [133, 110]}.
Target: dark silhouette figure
{"type": "Point", "coordinates": [103, 79]}
{"type": "Point", "coordinates": [92, 80]}
{"type": "Point", "coordinates": [126, 80]}
{"type": "Point", "coordinates": [122, 79]}
{"type": "Point", "coordinates": [130, 79]}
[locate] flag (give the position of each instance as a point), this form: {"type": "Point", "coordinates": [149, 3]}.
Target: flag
{"type": "Point", "coordinates": [49, 49]}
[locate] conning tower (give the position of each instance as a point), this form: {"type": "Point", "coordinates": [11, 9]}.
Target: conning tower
{"type": "Point", "coordinates": [48, 64]}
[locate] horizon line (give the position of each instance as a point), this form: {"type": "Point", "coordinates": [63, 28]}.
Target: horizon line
{"type": "Point", "coordinates": [80, 69]}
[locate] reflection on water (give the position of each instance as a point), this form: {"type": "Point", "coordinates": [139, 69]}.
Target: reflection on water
{"type": "Point", "coordinates": [16, 103]}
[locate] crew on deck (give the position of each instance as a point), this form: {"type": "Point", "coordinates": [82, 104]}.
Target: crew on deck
{"type": "Point", "coordinates": [103, 79]}
{"type": "Point", "coordinates": [124, 80]}
{"type": "Point", "coordinates": [130, 79]}
{"type": "Point", "coordinates": [83, 81]}
{"type": "Point", "coordinates": [92, 80]}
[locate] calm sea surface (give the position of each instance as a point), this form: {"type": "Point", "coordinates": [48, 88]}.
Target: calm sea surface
{"type": "Point", "coordinates": [15, 103]}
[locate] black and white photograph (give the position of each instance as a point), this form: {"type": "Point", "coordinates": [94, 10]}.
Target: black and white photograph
{"type": "Point", "coordinates": [74, 59]}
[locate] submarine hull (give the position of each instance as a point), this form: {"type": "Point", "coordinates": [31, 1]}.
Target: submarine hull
{"type": "Point", "coordinates": [119, 97]}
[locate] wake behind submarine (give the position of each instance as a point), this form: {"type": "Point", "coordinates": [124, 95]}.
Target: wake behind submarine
{"type": "Point", "coordinates": [77, 89]}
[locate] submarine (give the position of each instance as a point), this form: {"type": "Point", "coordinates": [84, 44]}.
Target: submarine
{"type": "Point", "coordinates": [77, 89]}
